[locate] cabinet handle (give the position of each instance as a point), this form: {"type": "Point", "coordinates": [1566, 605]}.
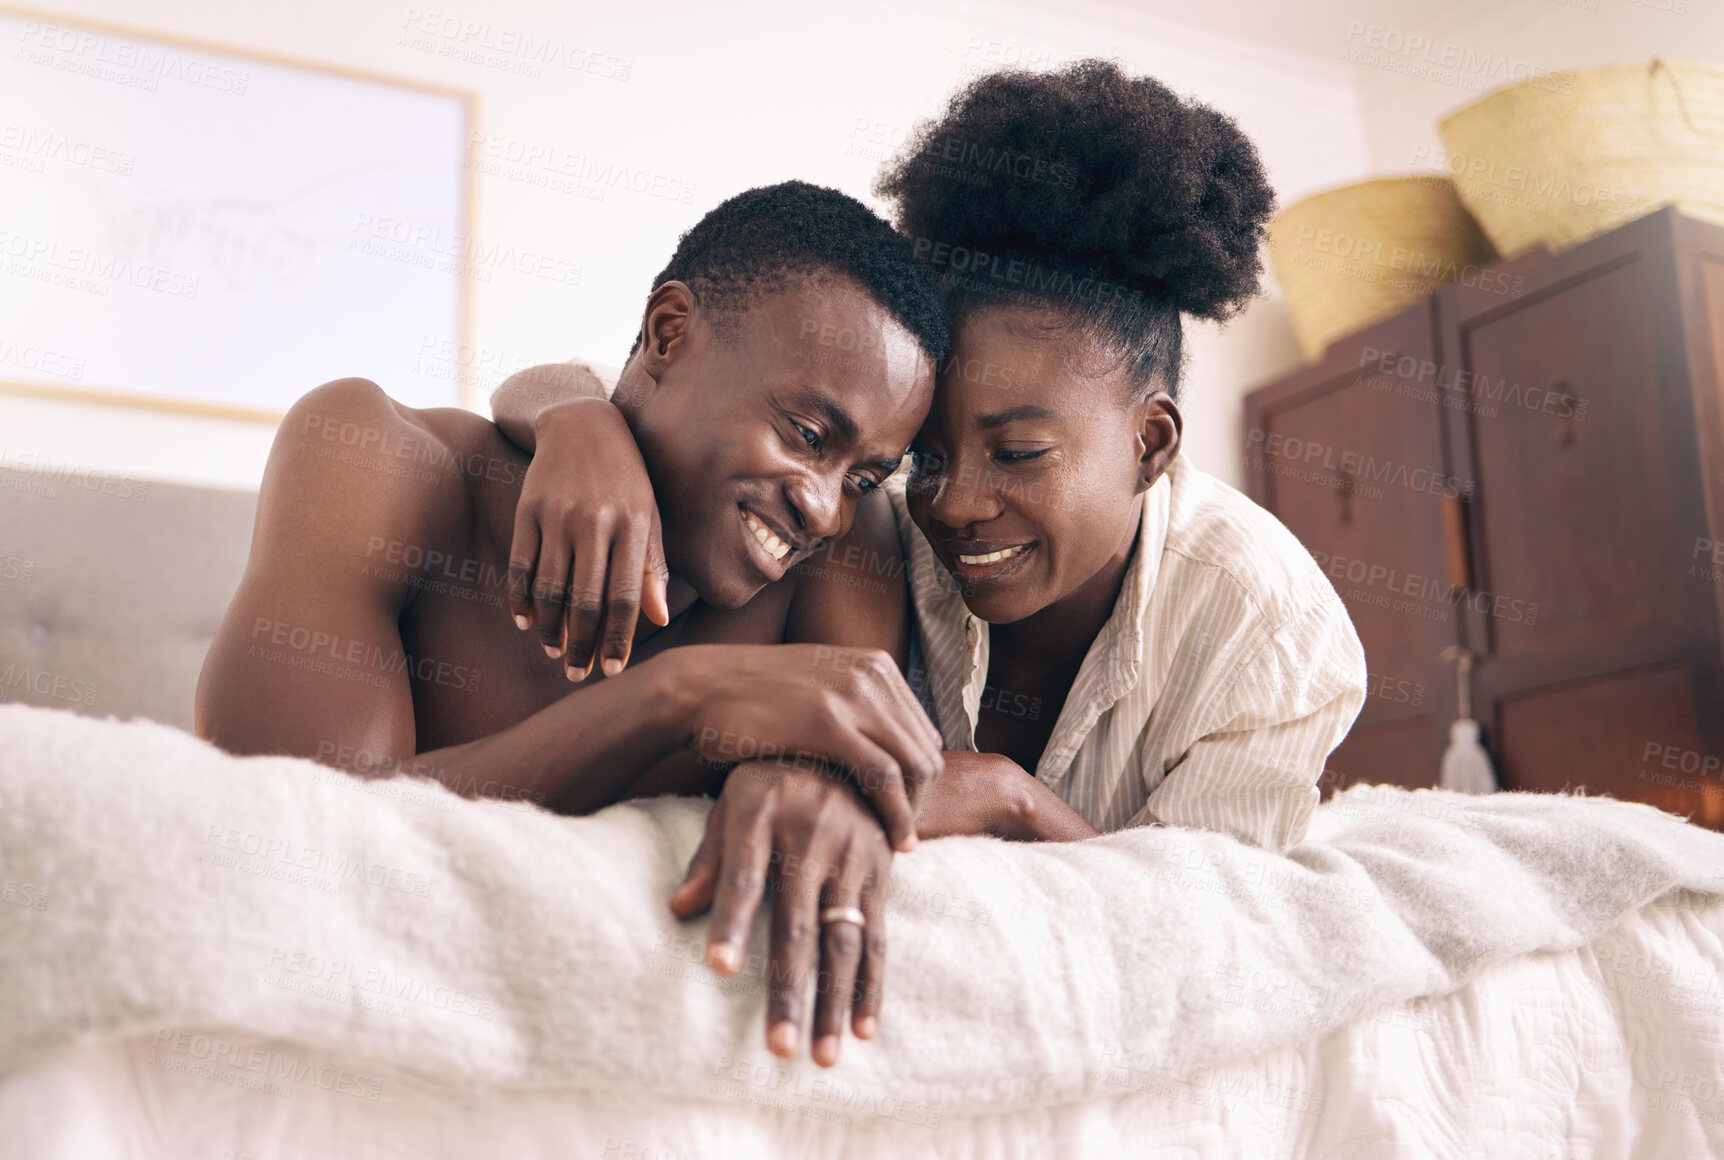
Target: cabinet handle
{"type": "Point", "coordinates": [1568, 411]}
{"type": "Point", "coordinates": [1455, 540]}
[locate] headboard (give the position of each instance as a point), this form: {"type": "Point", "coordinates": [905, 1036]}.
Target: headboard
{"type": "Point", "coordinates": [111, 589]}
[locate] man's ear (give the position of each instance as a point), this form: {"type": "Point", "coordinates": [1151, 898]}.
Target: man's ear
{"type": "Point", "coordinates": [1159, 425]}
{"type": "Point", "coordinates": [665, 327]}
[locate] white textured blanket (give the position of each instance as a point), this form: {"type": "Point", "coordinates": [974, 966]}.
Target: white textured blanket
{"type": "Point", "coordinates": [153, 885]}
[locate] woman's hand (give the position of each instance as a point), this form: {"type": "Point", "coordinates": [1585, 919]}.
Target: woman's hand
{"type": "Point", "coordinates": [987, 793]}
{"type": "Point", "coordinates": [587, 555]}
{"type": "Point", "coordinates": [812, 837]}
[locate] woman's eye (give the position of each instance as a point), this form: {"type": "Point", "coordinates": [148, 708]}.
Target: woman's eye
{"type": "Point", "coordinates": [1007, 455]}
{"type": "Point", "coordinates": [923, 462]}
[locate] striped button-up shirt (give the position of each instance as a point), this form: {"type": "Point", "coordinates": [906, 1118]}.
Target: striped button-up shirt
{"type": "Point", "coordinates": [1226, 675]}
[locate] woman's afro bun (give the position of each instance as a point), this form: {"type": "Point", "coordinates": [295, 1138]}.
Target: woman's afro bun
{"type": "Point", "coordinates": [1089, 169]}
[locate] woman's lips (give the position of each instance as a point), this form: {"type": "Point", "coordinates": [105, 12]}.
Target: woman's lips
{"type": "Point", "coordinates": [992, 557]}
{"type": "Point", "coordinates": [981, 566]}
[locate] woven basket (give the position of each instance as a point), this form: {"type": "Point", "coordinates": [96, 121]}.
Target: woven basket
{"type": "Point", "coordinates": [1559, 159]}
{"type": "Point", "coordinates": [1353, 255]}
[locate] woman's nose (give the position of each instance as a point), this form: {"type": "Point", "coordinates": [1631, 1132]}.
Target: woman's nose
{"type": "Point", "coordinates": [966, 495]}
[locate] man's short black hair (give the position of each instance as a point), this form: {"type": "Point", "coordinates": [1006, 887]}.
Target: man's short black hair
{"type": "Point", "coordinates": [758, 241]}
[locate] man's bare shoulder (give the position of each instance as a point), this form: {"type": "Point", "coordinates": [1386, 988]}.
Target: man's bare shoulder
{"type": "Point", "coordinates": [349, 462]}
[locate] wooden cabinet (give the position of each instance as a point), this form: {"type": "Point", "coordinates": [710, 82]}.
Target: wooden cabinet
{"type": "Point", "coordinates": [1529, 467]}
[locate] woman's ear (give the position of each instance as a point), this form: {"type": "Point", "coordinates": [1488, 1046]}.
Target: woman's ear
{"type": "Point", "coordinates": [1159, 424]}
{"type": "Point", "coordinates": [669, 312]}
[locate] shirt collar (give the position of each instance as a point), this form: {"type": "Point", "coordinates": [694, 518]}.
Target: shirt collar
{"type": "Point", "coordinates": [1111, 668]}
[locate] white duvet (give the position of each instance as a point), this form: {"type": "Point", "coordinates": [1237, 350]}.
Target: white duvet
{"type": "Point", "coordinates": [201, 955]}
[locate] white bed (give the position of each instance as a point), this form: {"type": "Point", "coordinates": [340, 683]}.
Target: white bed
{"type": "Point", "coordinates": [1428, 975]}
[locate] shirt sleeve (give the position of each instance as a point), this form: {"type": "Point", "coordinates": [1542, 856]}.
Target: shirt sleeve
{"type": "Point", "coordinates": [1253, 773]}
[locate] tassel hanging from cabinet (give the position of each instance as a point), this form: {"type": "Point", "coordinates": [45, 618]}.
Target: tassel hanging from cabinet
{"type": "Point", "coordinates": [1466, 766]}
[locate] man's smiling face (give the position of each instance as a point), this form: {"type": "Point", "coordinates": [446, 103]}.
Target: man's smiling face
{"type": "Point", "coordinates": [761, 437]}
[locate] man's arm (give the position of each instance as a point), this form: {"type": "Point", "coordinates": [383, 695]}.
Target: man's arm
{"type": "Point", "coordinates": [309, 659]}
{"type": "Point", "coordinates": [521, 398]}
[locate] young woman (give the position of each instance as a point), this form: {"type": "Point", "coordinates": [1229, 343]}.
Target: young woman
{"type": "Point", "coordinates": [1146, 641]}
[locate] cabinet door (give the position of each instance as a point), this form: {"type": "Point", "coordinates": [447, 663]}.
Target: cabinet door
{"type": "Point", "coordinates": [1350, 457]}
{"type": "Point", "coordinates": [1581, 434]}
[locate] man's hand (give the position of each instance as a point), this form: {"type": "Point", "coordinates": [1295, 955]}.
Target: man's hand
{"type": "Point", "coordinates": [815, 840]}
{"type": "Point", "coordinates": [848, 707]}
{"type": "Point", "coordinates": [587, 556]}
{"type": "Point", "coordinates": [987, 793]}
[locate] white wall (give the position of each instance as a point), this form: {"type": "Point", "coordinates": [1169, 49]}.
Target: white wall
{"type": "Point", "coordinates": [713, 102]}
{"type": "Point", "coordinates": [1465, 50]}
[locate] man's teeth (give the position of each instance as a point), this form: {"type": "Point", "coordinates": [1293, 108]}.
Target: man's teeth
{"type": "Point", "coordinates": [776, 547]}
{"type": "Point", "coordinates": [993, 557]}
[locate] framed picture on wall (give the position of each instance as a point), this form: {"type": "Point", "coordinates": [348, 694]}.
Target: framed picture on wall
{"type": "Point", "coordinates": [201, 228]}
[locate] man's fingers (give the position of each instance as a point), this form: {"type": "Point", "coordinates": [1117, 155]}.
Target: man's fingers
{"type": "Point", "coordinates": [623, 601]}
{"type": "Point", "coordinates": [840, 957]}
{"type": "Point", "coordinates": [743, 861]}
{"type": "Point", "coordinates": [795, 931]}
{"type": "Point", "coordinates": [871, 978]}
{"type": "Point", "coordinates": [881, 778]}
{"type": "Point", "coordinates": [694, 895]}
{"type": "Point", "coordinates": [523, 555]}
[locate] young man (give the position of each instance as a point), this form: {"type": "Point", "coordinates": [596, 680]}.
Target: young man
{"type": "Point", "coordinates": [367, 629]}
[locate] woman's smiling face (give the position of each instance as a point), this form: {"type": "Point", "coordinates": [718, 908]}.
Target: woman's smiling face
{"type": "Point", "coordinates": [1028, 472]}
